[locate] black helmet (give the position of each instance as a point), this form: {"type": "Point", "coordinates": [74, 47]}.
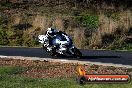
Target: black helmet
{"type": "Point", "coordinates": [51, 32]}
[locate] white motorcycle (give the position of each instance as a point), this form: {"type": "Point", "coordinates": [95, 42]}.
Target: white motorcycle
{"type": "Point", "coordinates": [59, 47]}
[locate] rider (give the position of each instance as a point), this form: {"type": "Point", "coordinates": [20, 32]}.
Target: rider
{"type": "Point", "coordinates": [59, 37]}
{"type": "Point", "coordinates": [50, 34]}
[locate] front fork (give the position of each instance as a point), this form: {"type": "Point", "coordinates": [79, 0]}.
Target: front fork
{"type": "Point", "coordinates": [71, 50]}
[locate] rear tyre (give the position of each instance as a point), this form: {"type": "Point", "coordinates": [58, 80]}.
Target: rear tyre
{"type": "Point", "coordinates": [77, 53]}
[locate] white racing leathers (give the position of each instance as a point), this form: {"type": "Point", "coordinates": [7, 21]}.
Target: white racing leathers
{"type": "Point", "coordinates": [43, 39]}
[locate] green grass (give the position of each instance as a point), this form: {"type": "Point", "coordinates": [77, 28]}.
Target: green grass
{"type": "Point", "coordinates": [9, 81]}
{"type": "Point", "coordinates": [11, 70]}
{"type": "Point", "coordinates": [9, 78]}
{"type": "Point", "coordinates": [89, 20]}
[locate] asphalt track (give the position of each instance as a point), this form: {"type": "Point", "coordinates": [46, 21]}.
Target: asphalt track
{"type": "Point", "coordinates": [103, 56]}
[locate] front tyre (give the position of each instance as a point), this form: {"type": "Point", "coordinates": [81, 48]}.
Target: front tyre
{"type": "Point", "coordinates": [53, 52]}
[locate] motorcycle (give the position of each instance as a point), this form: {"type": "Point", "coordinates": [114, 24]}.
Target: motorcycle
{"type": "Point", "coordinates": [59, 49]}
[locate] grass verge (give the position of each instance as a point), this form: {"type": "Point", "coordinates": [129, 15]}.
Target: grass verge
{"type": "Point", "coordinates": [38, 74]}
{"type": "Point", "coordinates": [10, 78]}
{"type": "Point", "coordinates": [11, 81]}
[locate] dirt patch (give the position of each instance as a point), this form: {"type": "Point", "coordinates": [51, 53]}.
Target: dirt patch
{"type": "Point", "coordinates": [45, 69]}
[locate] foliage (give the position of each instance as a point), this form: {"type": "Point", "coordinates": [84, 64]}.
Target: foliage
{"type": "Point", "coordinates": [112, 15]}
{"type": "Point", "coordinates": [90, 21]}
{"type": "Point", "coordinates": [3, 37]}
{"type": "Point", "coordinates": [7, 5]}
{"type": "Point", "coordinates": [15, 37]}
{"type": "Point", "coordinates": [85, 15]}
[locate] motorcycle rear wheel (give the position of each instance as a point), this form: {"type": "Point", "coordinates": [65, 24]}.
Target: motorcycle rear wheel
{"type": "Point", "coordinates": [77, 53]}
